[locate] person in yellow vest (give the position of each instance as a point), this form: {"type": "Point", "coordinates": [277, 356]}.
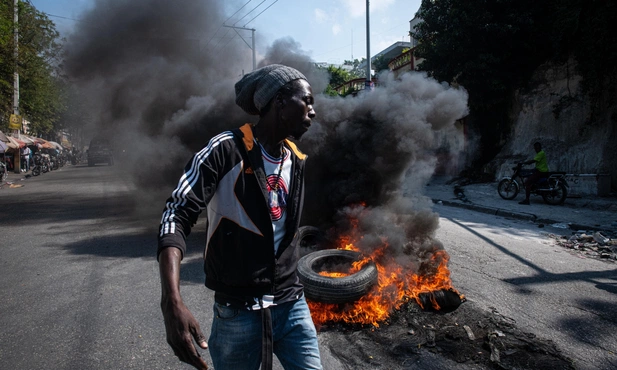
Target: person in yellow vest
{"type": "Point", "coordinates": [540, 171]}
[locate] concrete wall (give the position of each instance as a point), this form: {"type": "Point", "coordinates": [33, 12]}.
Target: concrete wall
{"type": "Point", "coordinates": [588, 184]}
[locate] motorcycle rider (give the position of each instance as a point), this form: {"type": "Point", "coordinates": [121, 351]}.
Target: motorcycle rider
{"type": "Point", "coordinates": [539, 172]}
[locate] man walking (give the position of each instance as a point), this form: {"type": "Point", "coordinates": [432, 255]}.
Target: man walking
{"type": "Point", "coordinates": [540, 171]}
{"type": "Point", "coordinates": [250, 182]}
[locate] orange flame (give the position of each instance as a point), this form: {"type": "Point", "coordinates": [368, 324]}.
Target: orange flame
{"type": "Point", "coordinates": [394, 287]}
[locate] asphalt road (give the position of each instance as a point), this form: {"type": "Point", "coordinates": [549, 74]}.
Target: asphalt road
{"type": "Point", "coordinates": [549, 291]}
{"type": "Point", "coordinates": [79, 282]}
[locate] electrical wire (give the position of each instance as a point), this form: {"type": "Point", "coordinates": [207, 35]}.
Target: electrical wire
{"type": "Point", "coordinates": [222, 38]}
{"type": "Point", "coordinates": [261, 12]}
{"type": "Point", "coordinates": [218, 29]}
{"type": "Point", "coordinates": [236, 22]}
{"type": "Point", "coordinates": [258, 5]}
{"type": "Point", "coordinates": [59, 16]}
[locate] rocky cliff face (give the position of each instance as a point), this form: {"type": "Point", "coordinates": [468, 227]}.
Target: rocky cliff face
{"type": "Point", "coordinates": [555, 111]}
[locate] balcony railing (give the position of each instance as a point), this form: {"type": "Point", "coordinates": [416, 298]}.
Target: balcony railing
{"type": "Point", "coordinates": [353, 85]}
{"type": "Point", "coordinates": [402, 60]}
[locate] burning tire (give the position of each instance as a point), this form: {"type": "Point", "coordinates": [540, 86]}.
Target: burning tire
{"type": "Point", "coordinates": [309, 239]}
{"type": "Point", "coordinates": [335, 289]}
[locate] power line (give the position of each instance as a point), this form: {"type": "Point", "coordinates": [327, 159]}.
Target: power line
{"type": "Point", "coordinates": [218, 29]}
{"type": "Point", "coordinates": [59, 16]}
{"type": "Point", "coordinates": [221, 39]}
{"type": "Point", "coordinates": [226, 32]}
{"type": "Point", "coordinates": [238, 11]}
{"type": "Point", "coordinates": [261, 12]}
{"type": "Point", "coordinates": [230, 40]}
{"type": "Point", "coordinates": [258, 5]}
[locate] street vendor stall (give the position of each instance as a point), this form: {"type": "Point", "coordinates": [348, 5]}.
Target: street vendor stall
{"type": "Point", "coordinates": [11, 155]}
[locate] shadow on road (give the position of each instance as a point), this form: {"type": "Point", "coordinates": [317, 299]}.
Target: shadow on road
{"type": "Point", "coordinates": [142, 245]}
{"type": "Point", "coordinates": [594, 330]}
{"type": "Point", "coordinates": [64, 209]}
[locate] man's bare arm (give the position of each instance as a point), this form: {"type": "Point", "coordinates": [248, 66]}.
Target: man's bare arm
{"type": "Point", "coordinates": [180, 325]}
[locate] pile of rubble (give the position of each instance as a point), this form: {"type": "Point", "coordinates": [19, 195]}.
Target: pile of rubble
{"type": "Point", "coordinates": [594, 244]}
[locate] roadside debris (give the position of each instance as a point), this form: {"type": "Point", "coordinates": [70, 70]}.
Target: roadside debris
{"type": "Point", "coordinates": [469, 338]}
{"type": "Point", "coordinates": [593, 244]}
{"type": "Point", "coordinates": [469, 332]}
{"type": "Point", "coordinates": [460, 194]}
{"type": "Point", "coordinates": [10, 184]}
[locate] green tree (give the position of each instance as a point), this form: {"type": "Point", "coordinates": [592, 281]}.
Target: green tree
{"type": "Point", "coordinates": [6, 61]}
{"type": "Point", "coordinates": [356, 72]}
{"type": "Point", "coordinates": [380, 63]}
{"type": "Point", "coordinates": [41, 96]}
{"type": "Point", "coordinates": [490, 47]}
{"type": "Point", "coordinates": [338, 76]}
{"type": "Point", "coordinates": [583, 29]}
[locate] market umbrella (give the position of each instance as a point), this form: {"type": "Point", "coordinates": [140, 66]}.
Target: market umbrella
{"type": "Point", "coordinates": [3, 137]}
{"type": "Point", "coordinates": [15, 143]}
{"type": "Point", "coordinates": [3, 147]}
{"type": "Point", "coordinates": [27, 139]}
{"type": "Point", "coordinates": [47, 145]}
{"type": "Point", "coordinates": [38, 140]}
{"type": "Point", "coordinates": [56, 145]}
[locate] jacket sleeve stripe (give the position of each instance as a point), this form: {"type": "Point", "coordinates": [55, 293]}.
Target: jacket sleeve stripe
{"type": "Point", "coordinates": [186, 183]}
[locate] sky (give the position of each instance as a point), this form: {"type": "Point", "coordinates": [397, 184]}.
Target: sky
{"type": "Point", "coordinates": [330, 31]}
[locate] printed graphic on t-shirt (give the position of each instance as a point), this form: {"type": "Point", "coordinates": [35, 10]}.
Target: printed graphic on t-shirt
{"type": "Point", "coordinates": [277, 195]}
{"type": "Point", "coordinates": [278, 172]}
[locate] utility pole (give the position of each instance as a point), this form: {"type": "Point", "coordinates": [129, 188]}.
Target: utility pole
{"type": "Point", "coordinates": [253, 43]}
{"type": "Point", "coordinates": [367, 84]}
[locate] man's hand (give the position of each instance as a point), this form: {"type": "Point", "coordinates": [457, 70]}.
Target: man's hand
{"type": "Point", "coordinates": [180, 324]}
{"type": "Point", "coordinates": [182, 328]}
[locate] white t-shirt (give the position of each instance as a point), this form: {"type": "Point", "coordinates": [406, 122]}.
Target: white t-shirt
{"type": "Point", "coordinates": [277, 198]}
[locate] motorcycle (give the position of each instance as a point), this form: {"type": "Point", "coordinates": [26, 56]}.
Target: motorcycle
{"type": "Point", "coordinates": [41, 164]}
{"type": "Point", "coordinates": [553, 188]}
{"type": "Point", "coordinates": [3, 171]}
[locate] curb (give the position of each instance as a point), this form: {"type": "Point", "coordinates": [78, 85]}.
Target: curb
{"type": "Point", "coordinates": [490, 210]}
{"type": "Point", "coordinates": [517, 215]}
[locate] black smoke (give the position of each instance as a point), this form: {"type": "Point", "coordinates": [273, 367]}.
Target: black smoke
{"type": "Point", "coordinates": [372, 154]}
{"type": "Point", "coordinates": [159, 77]}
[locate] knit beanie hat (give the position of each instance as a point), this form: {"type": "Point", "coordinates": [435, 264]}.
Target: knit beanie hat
{"type": "Point", "coordinates": [255, 90]}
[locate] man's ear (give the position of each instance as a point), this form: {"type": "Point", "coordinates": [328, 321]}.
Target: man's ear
{"type": "Point", "coordinates": [280, 100]}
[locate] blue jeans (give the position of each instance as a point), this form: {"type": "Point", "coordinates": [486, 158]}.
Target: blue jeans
{"type": "Point", "coordinates": [235, 339]}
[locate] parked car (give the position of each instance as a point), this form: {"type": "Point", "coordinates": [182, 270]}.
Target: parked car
{"type": "Point", "coordinates": [100, 151]}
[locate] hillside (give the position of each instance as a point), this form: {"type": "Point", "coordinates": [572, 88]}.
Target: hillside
{"type": "Point", "coordinates": [556, 111]}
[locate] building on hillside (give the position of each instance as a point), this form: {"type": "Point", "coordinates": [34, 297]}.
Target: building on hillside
{"type": "Point", "coordinates": [358, 84]}
{"type": "Point", "coordinates": [353, 86]}
{"type": "Point", "coordinates": [388, 53]}
{"type": "Point", "coordinates": [451, 145]}
{"type": "Point", "coordinates": [406, 61]}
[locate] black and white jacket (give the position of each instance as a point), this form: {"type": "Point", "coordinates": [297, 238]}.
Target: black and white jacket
{"type": "Point", "coordinates": [227, 178]}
